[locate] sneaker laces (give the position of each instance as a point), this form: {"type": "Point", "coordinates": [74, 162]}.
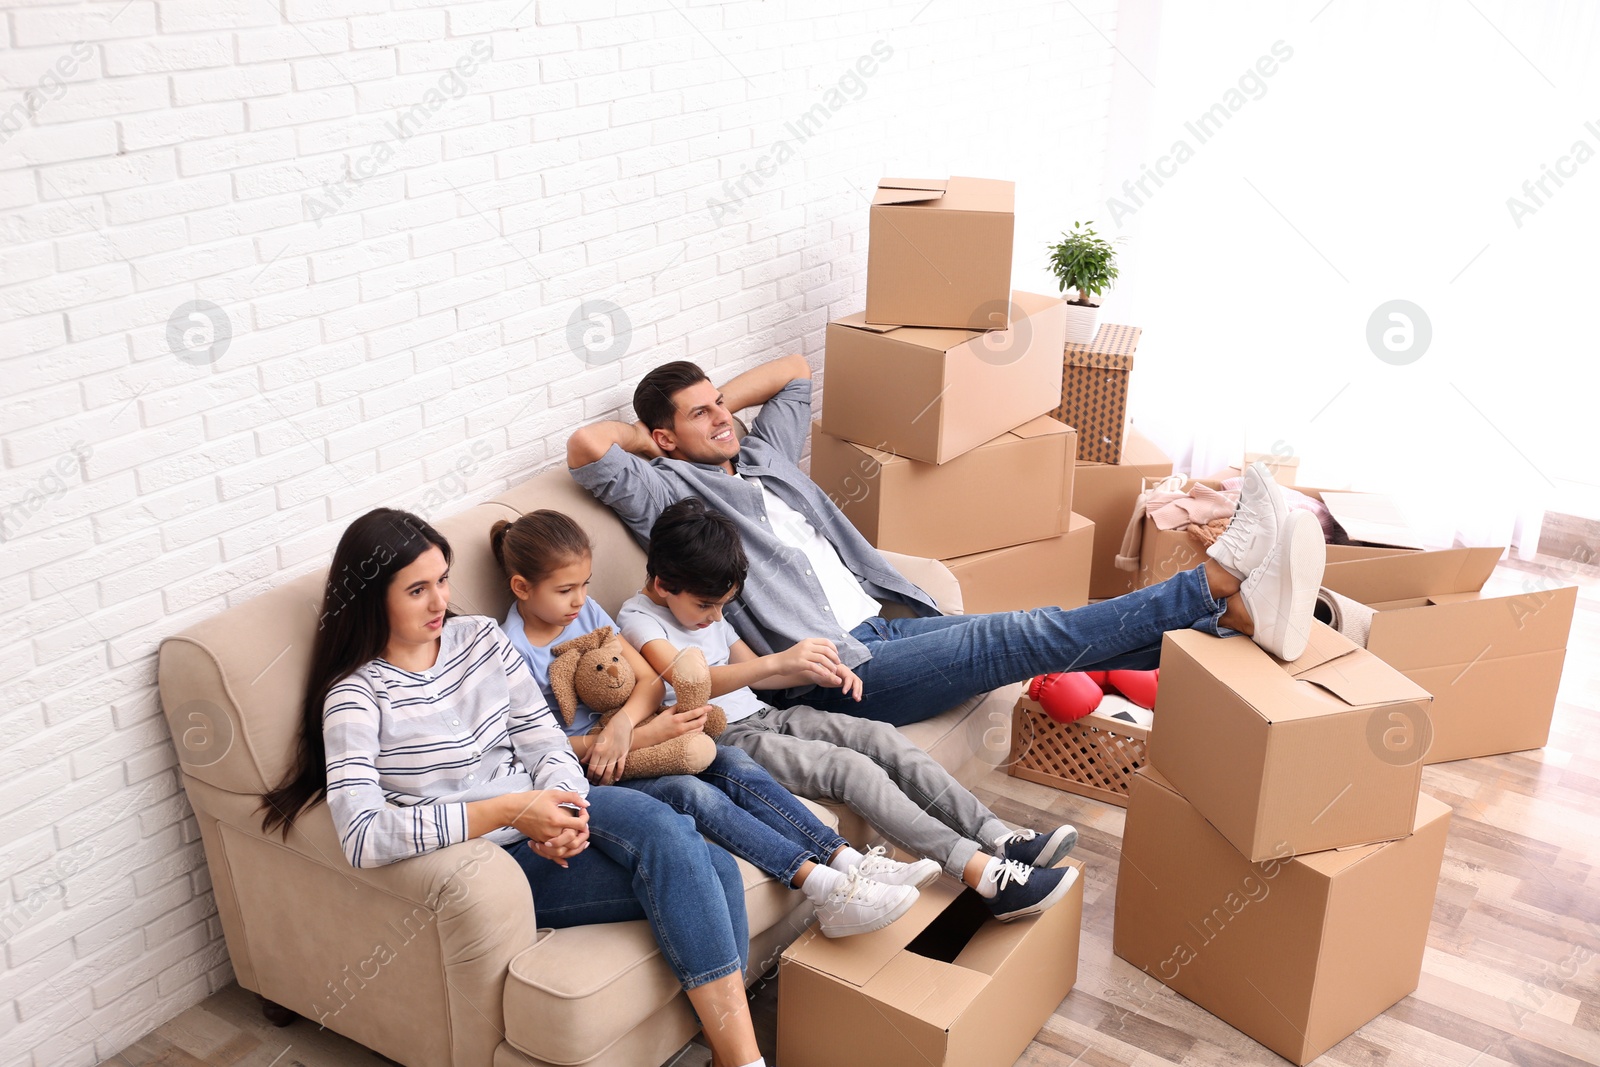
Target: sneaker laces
{"type": "Point", "coordinates": [875, 859]}
{"type": "Point", "coordinates": [1006, 872]}
{"type": "Point", "coordinates": [855, 885]}
{"type": "Point", "coordinates": [1015, 836]}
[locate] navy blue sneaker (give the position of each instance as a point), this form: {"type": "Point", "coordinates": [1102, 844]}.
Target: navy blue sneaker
{"type": "Point", "coordinates": [1036, 849]}
{"type": "Point", "coordinates": [1022, 890]}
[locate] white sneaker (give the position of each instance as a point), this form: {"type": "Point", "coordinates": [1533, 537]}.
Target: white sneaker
{"type": "Point", "coordinates": [878, 867]}
{"type": "Point", "coordinates": [1281, 594]}
{"type": "Point", "coordinates": [1257, 520]}
{"type": "Point", "coordinates": [860, 906]}
{"type": "Point", "coordinates": [1278, 554]}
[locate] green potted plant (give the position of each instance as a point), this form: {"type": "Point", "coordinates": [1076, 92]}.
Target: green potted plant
{"type": "Point", "coordinates": [1086, 262]}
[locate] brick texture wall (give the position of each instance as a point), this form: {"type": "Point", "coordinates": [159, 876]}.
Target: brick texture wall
{"type": "Point", "coordinates": [265, 264]}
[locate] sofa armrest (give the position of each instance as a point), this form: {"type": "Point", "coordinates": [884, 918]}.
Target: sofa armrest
{"type": "Point", "coordinates": [932, 577]}
{"type": "Point", "coordinates": [302, 925]}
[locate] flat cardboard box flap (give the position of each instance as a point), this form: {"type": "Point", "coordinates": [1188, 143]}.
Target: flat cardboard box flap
{"type": "Point", "coordinates": [909, 190]}
{"type": "Point", "coordinates": [857, 960]}
{"type": "Point", "coordinates": [1371, 517]}
{"type": "Point", "coordinates": [1332, 663]}
{"type": "Point", "coordinates": [1381, 579]}
{"type": "Point", "coordinates": [1357, 680]}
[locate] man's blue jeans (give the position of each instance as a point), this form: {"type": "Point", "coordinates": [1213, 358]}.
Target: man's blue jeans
{"type": "Point", "coordinates": [921, 667]}
{"type": "Point", "coordinates": [646, 861]}
{"type": "Point", "coordinates": [741, 807]}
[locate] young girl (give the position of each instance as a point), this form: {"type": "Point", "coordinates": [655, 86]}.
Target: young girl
{"type": "Point", "coordinates": [734, 802]}
{"type": "Point", "coordinates": [423, 730]}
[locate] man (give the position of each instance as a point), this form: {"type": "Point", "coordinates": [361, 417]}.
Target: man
{"type": "Point", "coordinates": [812, 573]}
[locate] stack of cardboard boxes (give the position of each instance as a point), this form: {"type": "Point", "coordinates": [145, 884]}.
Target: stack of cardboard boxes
{"type": "Point", "coordinates": [934, 439]}
{"type": "Point", "coordinates": [934, 442]}
{"type": "Point", "coordinates": [1278, 861]}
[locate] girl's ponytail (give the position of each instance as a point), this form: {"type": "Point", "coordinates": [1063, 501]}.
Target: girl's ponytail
{"type": "Point", "coordinates": [537, 544]}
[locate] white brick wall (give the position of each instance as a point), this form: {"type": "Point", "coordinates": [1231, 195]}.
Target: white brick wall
{"type": "Point", "coordinates": [399, 306]}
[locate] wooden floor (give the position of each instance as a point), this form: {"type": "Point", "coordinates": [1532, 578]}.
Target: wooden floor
{"type": "Point", "coordinates": [1511, 976]}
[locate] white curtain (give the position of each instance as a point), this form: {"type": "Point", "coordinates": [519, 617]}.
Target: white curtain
{"type": "Point", "coordinates": [1276, 174]}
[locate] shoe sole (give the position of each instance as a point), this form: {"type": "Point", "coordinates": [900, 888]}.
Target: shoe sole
{"type": "Point", "coordinates": [1054, 851]}
{"type": "Point", "coordinates": [1283, 626]}
{"type": "Point", "coordinates": [877, 924]}
{"type": "Point", "coordinates": [1045, 902]}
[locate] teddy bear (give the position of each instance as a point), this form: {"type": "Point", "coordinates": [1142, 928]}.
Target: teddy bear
{"type": "Point", "coordinates": [593, 670]}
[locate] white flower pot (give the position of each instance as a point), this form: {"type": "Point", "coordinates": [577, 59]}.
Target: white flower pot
{"type": "Point", "coordinates": [1080, 322]}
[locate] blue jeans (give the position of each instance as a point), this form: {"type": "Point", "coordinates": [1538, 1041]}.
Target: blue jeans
{"type": "Point", "coordinates": [921, 667]}
{"type": "Point", "coordinates": [737, 804]}
{"type": "Point", "coordinates": [645, 861]}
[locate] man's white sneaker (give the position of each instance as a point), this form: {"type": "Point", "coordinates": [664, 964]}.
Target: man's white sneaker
{"type": "Point", "coordinates": [860, 906]}
{"type": "Point", "coordinates": [878, 867]}
{"type": "Point", "coordinates": [1257, 524]}
{"type": "Point", "coordinates": [1281, 593]}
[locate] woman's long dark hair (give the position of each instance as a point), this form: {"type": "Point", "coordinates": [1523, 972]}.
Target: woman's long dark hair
{"type": "Point", "coordinates": [352, 629]}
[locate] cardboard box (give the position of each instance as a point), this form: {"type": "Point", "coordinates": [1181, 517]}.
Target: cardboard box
{"type": "Point", "coordinates": [1297, 953]}
{"type": "Point", "coordinates": [1288, 758]}
{"type": "Point", "coordinates": [939, 253]}
{"type": "Point", "coordinates": [1034, 575]}
{"type": "Point", "coordinates": [944, 986]}
{"type": "Point", "coordinates": [1164, 554]}
{"type": "Point", "coordinates": [1492, 663]}
{"type": "Point", "coordinates": [1285, 470]}
{"type": "Point", "coordinates": [1013, 489]}
{"type": "Point", "coordinates": [934, 394]}
{"type": "Point", "coordinates": [1104, 493]}
{"type": "Point", "coordinates": [1094, 390]}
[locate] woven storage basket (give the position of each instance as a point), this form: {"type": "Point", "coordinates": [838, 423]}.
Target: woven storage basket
{"type": "Point", "coordinates": [1093, 757]}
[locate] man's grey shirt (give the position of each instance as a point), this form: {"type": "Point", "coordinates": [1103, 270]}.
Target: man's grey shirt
{"type": "Point", "coordinates": [782, 602]}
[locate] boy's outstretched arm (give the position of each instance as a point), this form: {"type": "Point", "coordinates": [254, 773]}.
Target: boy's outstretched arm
{"type": "Point", "coordinates": [812, 661]}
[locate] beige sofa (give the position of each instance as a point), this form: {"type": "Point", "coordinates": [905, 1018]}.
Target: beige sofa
{"type": "Point", "coordinates": [437, 961]}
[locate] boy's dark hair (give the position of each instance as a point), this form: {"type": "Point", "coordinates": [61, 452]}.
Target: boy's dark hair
{"type": "Point", "coordinates": [696, 550]}
{"type": "Point", "coordinates": [652, 399]}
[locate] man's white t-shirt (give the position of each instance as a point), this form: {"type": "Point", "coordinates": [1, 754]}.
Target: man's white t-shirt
{"type": "Point", "coordinates": [849, 603]}
{"type": "Point", "coordinates": [642, 620]}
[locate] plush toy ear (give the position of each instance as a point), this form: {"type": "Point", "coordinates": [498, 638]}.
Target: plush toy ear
{"type": "Point", "coordinates": [563, 669]}
{"type": "Point", "coordinates": [583, 643]}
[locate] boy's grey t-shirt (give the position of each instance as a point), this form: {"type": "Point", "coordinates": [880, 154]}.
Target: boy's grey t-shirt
{"type": "Point", "coordinates": [643, 620]}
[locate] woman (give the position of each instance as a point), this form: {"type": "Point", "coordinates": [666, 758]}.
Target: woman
{"type": "Point", "coordinates": [423, 730]}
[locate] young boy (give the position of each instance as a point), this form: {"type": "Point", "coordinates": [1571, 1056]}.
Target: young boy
{"type": "Point", "coordinates": [694, 566]}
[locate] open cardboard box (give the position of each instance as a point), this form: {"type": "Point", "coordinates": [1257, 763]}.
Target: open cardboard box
{"type": "Point", "coordinates": [1053, 572]}
{"type": "Point", "coordinates": [1289, 758]}
{"type": "Point", "coordinates": [1298, 953]}
{"type": "Point", "coordinates": [1104, 494]}
{"type": "Point", "coordinates": [939, 253]}
{"type": "Point", "coordinates": [946, 985]}
{"type": "Point", "coordinates": [1013, 489]}
{"type": "Point", "coordinates": [1492, 663]}
{"type": "Point", "coordinates": [933, 394]}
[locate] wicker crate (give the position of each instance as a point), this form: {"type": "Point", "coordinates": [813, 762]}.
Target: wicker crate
{"type": "Point", "coordinates": [1094, 391]}
{"type": "Point", "coordinates": [1093, 757]}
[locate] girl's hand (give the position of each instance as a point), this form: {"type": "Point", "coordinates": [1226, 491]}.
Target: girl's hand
{"type": "Point", "coordinates": [609, 752]}
{"type": "Point", "coordinates": [543, 815]}
{"type": "Point", "coordinates": [815, 657]}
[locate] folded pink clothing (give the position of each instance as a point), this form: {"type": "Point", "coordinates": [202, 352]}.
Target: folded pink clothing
{"type": "Point", "coordinates": [1331, 530]}
{"type": "Point", "coordinates": [1201, 504]}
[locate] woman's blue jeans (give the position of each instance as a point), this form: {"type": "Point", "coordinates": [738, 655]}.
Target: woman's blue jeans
{"type": "Point", "coordinates": [921, 667]}
{"type": "Point", "coordinates": [646, 861]}
{"type": "Point", "coordinates": [741, 807]}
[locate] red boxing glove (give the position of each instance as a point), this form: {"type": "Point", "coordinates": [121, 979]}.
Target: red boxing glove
{"type": "Point", "coordinates": [1065, 697]}
{"type": "Point", "coordinates": [1137, 686]}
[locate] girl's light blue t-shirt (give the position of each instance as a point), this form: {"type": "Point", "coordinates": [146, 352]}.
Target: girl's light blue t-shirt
{"type": "Point", "coordinates": [590, 617]}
